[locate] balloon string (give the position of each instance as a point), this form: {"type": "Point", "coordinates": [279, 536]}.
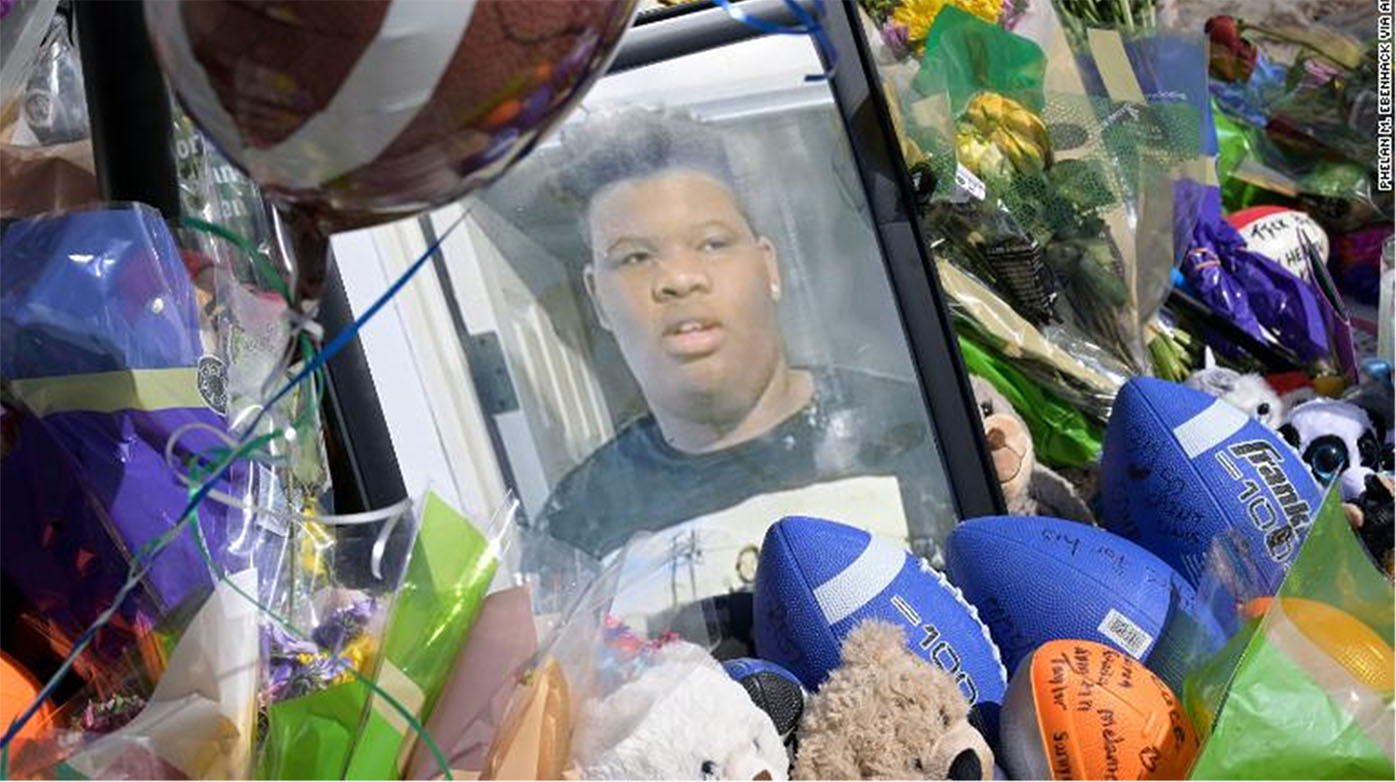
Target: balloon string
{"type": "Point", "coordinates": [144, 557]}
{"type": "Point", "coordinates": [263, 264]}
{"type": "Point", "coordinates": [365, 517]}
{"type": "Point", "coordinates": [344, 337]}
{"type": "Point", "coordinates": [142, 560]}
{"type": "Point", "coordinates": [285, 624]}
{"type": "Point", "coordinates": [809, 24]}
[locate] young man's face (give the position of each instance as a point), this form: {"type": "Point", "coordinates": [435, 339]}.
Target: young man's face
{"type": "Point", "coordinates": [687, 288]}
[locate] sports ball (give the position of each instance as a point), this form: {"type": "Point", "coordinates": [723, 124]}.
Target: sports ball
{"type": "Point", "coordinates": [816, 579]}
{"type": "Point", "coordinates": [18, 688]}
{"type": "Point", "coordinates": [775, 690]}
{"type": "Point", "coordinates": [1273, 231]}
{"type": "Point", "coordinates": [1037, 579]}
{"type": "Point", "coordinates": [360, 112]}
{"type": "Point", "coordinates": [1341, 636]}
{"type": "Point", "coordinates": [1083, 710]}
{"type": "Point", "coordinates": [1184, 473]}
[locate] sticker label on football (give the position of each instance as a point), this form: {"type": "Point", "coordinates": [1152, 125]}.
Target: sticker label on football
{"type": "Point", "coordinates": [1126, 634]}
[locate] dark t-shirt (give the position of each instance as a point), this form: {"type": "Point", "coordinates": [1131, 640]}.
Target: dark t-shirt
{"type": "Point", "coordinates": [856, 424]}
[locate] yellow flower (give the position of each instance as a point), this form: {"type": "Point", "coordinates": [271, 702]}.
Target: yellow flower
{"type": "Point", "coordinates": [918, 15]}
{"type": "Point", "coordinates": [359, 652]}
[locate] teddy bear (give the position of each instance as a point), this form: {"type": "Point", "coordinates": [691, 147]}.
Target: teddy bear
{"type": "Point", "coordinates": [885, 713]}
{"type": "Point", "coordinates": [681, 717]}
{"type": "Point", "coordinates": [1029, 488]}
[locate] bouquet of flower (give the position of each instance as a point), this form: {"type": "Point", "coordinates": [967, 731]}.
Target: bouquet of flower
{"type": "Point", "coordinates": [904, 24]}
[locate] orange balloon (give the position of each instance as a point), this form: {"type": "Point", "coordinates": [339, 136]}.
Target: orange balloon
{"type": "Point", "coordinates": [1084, 710]}
{"type": "Point", "coordinates": [17, 690]}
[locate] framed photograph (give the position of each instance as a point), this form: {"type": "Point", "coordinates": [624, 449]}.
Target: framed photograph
{"type": "Point", "coordinates": [702, 305]}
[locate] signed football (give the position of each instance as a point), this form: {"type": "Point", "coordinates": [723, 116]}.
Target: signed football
{"type": "Point", "coordinates": [1188, 476]}
{"type": "Point", "coordinates": [1084, 710]}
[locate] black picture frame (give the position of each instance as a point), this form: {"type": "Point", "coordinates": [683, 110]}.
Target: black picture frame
{"type": "Point", "coordinates": [921, 303]}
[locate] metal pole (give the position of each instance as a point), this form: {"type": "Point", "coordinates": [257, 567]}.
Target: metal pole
{"type": "Point", "coordinates": [128, 105]}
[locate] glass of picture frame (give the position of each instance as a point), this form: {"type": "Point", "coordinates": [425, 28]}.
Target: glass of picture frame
{"type": "Point", "coordinates": [702, 305]}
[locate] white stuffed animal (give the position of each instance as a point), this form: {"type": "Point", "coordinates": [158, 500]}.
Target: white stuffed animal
{"type": "Point", "coordinates": [682, 718]}
{"type": "Point", "coordinates": [1248, 393]}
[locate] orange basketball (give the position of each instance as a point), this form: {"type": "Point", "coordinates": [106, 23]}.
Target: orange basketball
{"type": "Point", "coordinates": [1084, 710]}
{"type": "Point", "coordinates": [17, 691]}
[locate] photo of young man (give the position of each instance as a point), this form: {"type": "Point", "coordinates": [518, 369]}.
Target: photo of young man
{"type": "Point", "coordinates": [736, 434]}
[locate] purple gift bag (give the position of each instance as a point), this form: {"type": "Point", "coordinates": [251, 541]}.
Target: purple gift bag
{"type": "Point", "coordinates": [99, 349]}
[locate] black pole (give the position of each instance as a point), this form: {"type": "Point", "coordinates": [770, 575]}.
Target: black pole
{"type": "Point", "coordinates": [128, 105]}
{"type": "Point", "coordinates": [920, 301]}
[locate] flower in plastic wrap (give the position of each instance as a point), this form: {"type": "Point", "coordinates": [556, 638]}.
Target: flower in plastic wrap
{"type": "Point", "coordinates": [107, 715]}
{"type": "Point", "coordinates": [299, 667]}
{"type": "Point", "coordinates": [897, 38]}
{"type": "Point", "coordinates": [344, 624]}
{"type": "Point", "coordinates": [997, 130]}
{"type": "Point", "coordinates": [917, 16]}
{"type": "Point", "coordinates": [200, 719]}
{"type": "Point", "coordinates": [100, 343]}
{"type": "Point", "coordinates": [1232, 57]}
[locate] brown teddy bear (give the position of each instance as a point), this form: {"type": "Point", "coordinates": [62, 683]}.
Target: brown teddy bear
{"type": "Point", "coordinates": [887, 714]}
{"type": "Point", "coordinates": [1029, 488]}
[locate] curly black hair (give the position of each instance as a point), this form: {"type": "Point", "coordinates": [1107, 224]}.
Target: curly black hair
{"type": "Point", "coordinates": [636, 143]}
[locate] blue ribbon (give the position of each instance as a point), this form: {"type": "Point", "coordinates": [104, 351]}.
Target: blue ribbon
{"type": "Point", "coordinates": [808, 25]}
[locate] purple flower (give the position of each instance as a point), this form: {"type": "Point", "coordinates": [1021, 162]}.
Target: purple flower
{"type": "Point", "coordinates": [107, 715]}
{"type": "Point", "coordinates": [1011, 12]}
{"type": "Point", "coordinates": [897, 38]}
{"type": "Point", "coordinates": [291, 677]}
{"type": "Point", "coordinates": [277, 642]}
{"type": "Point", "coordinates": [343, 625]}
{"type": "Point", "coordinates": [297, 666]}
{"type": "Point", "coordinates": [1318, 72]}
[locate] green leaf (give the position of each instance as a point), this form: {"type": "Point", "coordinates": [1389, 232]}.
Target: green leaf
{"type": "Point", "coordinates": [1081, 182]}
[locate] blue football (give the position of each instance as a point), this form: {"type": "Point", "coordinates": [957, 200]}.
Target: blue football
{"type": "Point", "coordinates": [1037, 579]}
{"type": "Point", "coordinates": [1184, 474]}
{"type": "Point", "coordinates": [817, 579]}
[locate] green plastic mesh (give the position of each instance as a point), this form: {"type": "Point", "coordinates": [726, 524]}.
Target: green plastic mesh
{"type": "Point", "coordinates": [1110, 158]}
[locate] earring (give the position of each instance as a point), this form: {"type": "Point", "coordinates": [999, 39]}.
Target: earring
{"type": "Point", "coordinates": [775, 292]}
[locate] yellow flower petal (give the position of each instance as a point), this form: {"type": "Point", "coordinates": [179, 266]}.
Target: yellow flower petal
{"type": "Point", "coordinates": [918, 15]}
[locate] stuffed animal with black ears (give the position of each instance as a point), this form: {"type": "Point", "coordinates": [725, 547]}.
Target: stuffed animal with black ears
{"type": "Point", "coordinates": [1343, 445]}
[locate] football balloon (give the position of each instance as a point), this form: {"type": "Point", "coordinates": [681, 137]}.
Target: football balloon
{"type": "Point", "coordinates": [817, 579]}
{"type": "Point", "coordinates": [1185, 474]}
{"type": "Point", "coordinates": [359, 112]}
{"type": "Point", "coordinates": [1083, 710]}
